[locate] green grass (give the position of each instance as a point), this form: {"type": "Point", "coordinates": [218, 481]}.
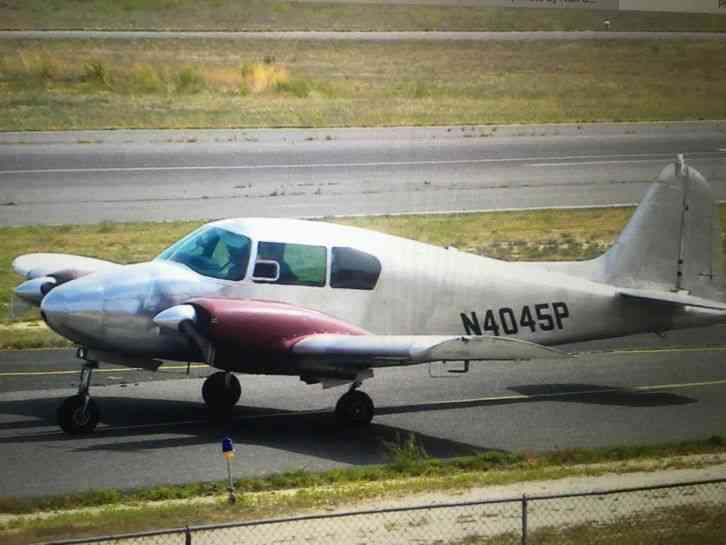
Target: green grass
{"type": "Point", "coordinates": [289, 15]}
{"type": "Point", "coordinates": [30, 335]}
{"type": "Point", "coordinates": [205, 83]}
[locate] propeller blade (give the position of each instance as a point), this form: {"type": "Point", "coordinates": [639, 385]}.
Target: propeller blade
{"type": "Point", "coordinates": [183, 318]}
{"type": "Point", "coordinates": [19, 308]}
{"type": "Point", "coordinates": [205, 346]}
{"type": "Point", "coordinates": [33, 291]}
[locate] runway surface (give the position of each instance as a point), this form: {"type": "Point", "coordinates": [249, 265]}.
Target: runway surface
{"type": "Point", "coordinates": [94, 176]}
{"type": "Point", "coordinates": [156, 431]}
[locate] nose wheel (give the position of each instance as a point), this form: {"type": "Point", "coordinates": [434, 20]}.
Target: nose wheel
{"type": "Point", "coordinates": [79, 414]}
{"type": "Point", "coordinates": [354, 409]}
{"type": "Point", "coordinates": [221, 392]}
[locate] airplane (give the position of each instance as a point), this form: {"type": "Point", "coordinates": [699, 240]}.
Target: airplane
{"type": "Point", "coordinates": [331, 303]}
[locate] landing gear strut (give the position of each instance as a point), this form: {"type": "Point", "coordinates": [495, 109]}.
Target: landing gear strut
{"type": "Point", "coordinates": [79, 414]}
{"type": "Point", "coordinates": [354, 408]}
{"type": "Point", "coordinates": [221, 391]}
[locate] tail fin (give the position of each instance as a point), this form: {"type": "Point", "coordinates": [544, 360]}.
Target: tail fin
{"type": "Point", "coordinates": [672, 242]}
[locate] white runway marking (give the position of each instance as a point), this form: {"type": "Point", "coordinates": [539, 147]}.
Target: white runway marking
{"type": "Point", "coordinates": [591, 163]}
{"type": "Point", "coordinates": [114, 370]}
{"type": "Point", "coordinates": [597, 158]}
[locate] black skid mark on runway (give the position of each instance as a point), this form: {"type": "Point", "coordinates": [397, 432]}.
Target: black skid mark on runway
{"type": "Point", "coordinates": [600, 395]}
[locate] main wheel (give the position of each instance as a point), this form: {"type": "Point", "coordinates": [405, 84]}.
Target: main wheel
{"type": "Point", "coordinates": [354, 408]}
{"type": "Point", "coordinates": [76, 417]}
{"type": "Point", "coordinates": [221, 391]}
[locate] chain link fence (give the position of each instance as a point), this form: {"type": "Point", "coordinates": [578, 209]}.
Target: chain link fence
{"type": "Point", "coordinates": [675, 514]}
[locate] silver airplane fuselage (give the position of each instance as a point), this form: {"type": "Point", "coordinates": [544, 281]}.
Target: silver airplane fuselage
{"type": "Point", "coordinates": [422, 289]}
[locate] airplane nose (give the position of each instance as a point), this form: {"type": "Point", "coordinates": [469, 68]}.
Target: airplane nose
{"type": "Point", "coordinates": [75, 310]}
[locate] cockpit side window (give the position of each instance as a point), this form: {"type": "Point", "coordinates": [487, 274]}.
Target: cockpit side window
{"type": "Point", "coordinates": [299, 264]}
{"type": "Point", "coordinates": [353, 269]}
{"type": "Point", "coordinates": [212, 251]}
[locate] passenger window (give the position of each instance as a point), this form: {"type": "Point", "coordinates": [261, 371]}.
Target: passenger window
{"type": "Point", "coordinates": [299, 264]}
{"type": "Point", "coordinates": [353, 269]}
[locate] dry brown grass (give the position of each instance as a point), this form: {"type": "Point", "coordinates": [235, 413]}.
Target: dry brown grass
{"type": "Point", "coordinates": [260, 77]}
{"type": "Point", "coordinates": [197, 83]}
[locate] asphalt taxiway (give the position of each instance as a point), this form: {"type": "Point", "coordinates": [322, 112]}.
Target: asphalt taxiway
{"type": "Point", "coordinates": [155, 430]}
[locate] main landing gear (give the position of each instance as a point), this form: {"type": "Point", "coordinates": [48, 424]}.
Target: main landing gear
{"type": "Point", "coordinates": [79, 414]}
{"type": "Point", "coordinates": [221, 392]}
{"type": "Point", "coordinates": [354, 408]}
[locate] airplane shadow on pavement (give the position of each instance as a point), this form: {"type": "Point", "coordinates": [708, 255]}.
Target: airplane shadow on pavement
{"type": "Point", "coordinates": [135, 425]}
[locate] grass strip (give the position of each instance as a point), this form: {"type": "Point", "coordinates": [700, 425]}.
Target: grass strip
{"type": "Point", "coordinates": [409, 471]}
{"type": "Point", "coordinates": [527, 235]}
{"type": "Point", "coordinates": [31, 334]}
{"type": "Point", "coordinates": [290, 15]}
{"type": "Point", "coordinates": [96, 84]}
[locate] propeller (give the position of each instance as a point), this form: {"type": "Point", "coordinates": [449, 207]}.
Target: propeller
{"type": "Point", "coordinates": [205, 346]}
{"type": "Point", "coordinates": [19, 308]}
{"type": "Point", "coordinates": [33, 290]}
{"type": "Point", "coordinates": [184, 318]}
{"type": "Point", "coordinates": [37, 285]}
{"type": "Point", "coordinates": [29, 295]}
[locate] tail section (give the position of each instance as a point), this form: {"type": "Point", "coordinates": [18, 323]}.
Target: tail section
{"type": "Point", "coordinates": [672, 242]}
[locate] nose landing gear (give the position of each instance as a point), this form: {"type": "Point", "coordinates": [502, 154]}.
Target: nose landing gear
{"type": "Point", "coordinates": [79, 414]}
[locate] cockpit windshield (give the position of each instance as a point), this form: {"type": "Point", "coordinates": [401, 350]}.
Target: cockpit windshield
{"type": "Point", "coordinates": [212, 251]}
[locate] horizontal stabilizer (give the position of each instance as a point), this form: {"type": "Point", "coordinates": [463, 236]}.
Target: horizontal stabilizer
{"type": "Point", "coordinates": [46, 264]}
{"type": "Point", "coordinates": [402, 349]}
{"type": "Point", "coordinates": [672, 298]}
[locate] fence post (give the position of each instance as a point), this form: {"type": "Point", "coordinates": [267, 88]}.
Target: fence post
{"type": "Point", "coordinates": [187, 536]}
{"type": "Point", "coordinates": [524, 519]}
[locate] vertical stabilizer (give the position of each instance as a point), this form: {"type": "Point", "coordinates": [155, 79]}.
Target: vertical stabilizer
{"type": "Point", "coordinates": [672, 242]}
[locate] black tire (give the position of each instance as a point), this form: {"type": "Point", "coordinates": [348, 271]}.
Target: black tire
{"type": "Point", "coordinates": [218, 397]}
{"type": "Point", "coordinates": [72, 418]}
{"type": "Point", "coordinates": [355, 409]}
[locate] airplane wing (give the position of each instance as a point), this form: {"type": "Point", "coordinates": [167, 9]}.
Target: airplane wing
{"type": "Point", "coordinates": [46, 264]}
{"type": "Point", "coordinates": [672, 298]}
{"type": "Point", "coordinates": [382, 350]}
{"type": "Point", "coordinates": [222, 329]}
